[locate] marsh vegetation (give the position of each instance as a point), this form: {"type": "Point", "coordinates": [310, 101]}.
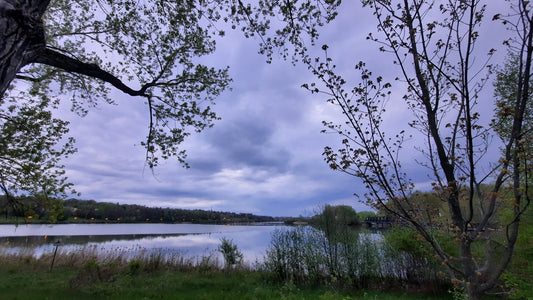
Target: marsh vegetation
{"type": "Point", "coordinates": [112, 275]}
{"type": "Point", "coordinates": [327, 260]}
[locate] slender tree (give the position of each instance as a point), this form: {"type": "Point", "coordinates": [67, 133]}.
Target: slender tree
{"type": "Point", "coordinates": [505, 92]}
{"type": "Point", "coordinates": [433, 44]}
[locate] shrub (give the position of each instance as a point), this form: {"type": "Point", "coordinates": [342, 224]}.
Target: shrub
{"type": "Point", "coordinates": [414, 258]}
{"type": "Point", "coordinates": [134, 266]}
{"type": "Point", "coordinates": [88, 275]}
{"type": "Point", "coordinates": [231, 253]}
{"type": "Point", "coordinates": [307, 255]}
{"type": "Point", "coordinates": [295, 255]}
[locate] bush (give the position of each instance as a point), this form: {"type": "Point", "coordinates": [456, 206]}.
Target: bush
{"type": "Point", "coordinates": [307, 255]}
{"type": "Point", "coordinates": [231, 253]}
{"type": "Point", "coordinates": [92, 272]}
{"type": "Point", "coordinates": [415, 259]}
{"type": "Point", "coordinates": [134, 266]}
{"type": "Point", "coordinates": [295, 255]}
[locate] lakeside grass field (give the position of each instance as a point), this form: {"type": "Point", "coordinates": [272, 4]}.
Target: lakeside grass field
{"type": "Point", "coordinates": [82, 276]}
{"type": "Point", "coordinates": [165, 284]}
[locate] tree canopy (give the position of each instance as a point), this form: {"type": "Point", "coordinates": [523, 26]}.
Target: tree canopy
{"type": "Point", "coordinates": [507, 79]}
{"type": "Point", "coordinates": [58, 50]}
{"type": "Point", "coordinates": [337, 215]}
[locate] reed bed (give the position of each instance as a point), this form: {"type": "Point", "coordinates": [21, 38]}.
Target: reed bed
{"type": "Point", "coordinates": [305, 255]}
{"type": "Point", "coordinates": [296, 258]}
{"type": "Point", "coordinates": [119, 257]}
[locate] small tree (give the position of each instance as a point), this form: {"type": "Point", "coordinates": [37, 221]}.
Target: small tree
{"type": "Point", "coordinates": [436, 58]}
{"type": "Point", "coordinates": [339, 215]}
{"type": "Point", "coordinates": [231, 253]}
{"type": "Point", "coordinates": [32, 143]}
{"type": "Point", "coordinates": [508, 77]}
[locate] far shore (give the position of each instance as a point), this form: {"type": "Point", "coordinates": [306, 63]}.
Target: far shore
{"type": "Point", "coordinates": [22, 221]}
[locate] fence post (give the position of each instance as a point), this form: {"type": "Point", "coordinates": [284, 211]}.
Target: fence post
{"type": "Point", "coordinates": [55, 252]}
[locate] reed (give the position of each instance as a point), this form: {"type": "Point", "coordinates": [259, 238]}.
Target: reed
{"type": "Point", "coordinates": [306, 255]}
{"type": "Point", "coordinates": [119, 257]}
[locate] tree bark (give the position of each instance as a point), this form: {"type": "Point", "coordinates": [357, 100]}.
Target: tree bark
{"type": "Point", "coordinates": [55, 59]}
{"type": "Point", "coordinates": [22, 36]}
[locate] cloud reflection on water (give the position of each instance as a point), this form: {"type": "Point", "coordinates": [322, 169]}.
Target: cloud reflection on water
{"type": "Point", "coordinates": [251, 240]}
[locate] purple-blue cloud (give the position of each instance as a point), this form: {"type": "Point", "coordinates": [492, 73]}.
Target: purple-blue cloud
{"type": "Point", "coordinates": [263, 156]}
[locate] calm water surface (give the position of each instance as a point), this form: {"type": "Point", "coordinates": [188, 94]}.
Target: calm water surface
{"type": "Point", "coordinates": [191, 240]}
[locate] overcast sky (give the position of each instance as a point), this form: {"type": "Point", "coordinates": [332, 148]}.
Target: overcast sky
{"type": "Point", "coordinates": [263, 156]}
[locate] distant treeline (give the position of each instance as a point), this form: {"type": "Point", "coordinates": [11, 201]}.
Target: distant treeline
{"type": "Point", "coordinates": [74, 210]}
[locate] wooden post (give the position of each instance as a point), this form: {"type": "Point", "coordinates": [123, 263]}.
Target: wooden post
{"type": "Point", "coordinates": [55, 252]}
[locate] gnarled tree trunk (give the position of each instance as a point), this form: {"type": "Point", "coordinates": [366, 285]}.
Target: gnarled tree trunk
{"type": "Point", "coordinates": [21, 36]}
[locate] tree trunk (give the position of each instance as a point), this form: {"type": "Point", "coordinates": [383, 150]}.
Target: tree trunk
{"type": "Point", "coordinates": [21, 36]}
{"type": "Point", "coordinates": [474, 292]}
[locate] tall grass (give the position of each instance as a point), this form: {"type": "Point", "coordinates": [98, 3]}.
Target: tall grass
{"type": "Point", "coordinates": [118, 257]}
{"type": "Point", "coordinates": [306, 255]}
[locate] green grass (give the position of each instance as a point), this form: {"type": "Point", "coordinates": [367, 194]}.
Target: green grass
{"type": "Point", "coordinates": [28, 278]}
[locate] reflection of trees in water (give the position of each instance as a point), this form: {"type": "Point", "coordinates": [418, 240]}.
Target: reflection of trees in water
{"type": "Point", "coordinates": [35, 241]}
{"type": "Point", "coordinates": [251, 240]}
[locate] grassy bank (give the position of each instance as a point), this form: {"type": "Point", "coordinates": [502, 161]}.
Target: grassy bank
{"type": "Point", "coordinates": [82, 276]}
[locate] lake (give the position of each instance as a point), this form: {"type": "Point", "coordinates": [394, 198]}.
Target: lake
{"type": "Point", "coordinates": [190, 240]}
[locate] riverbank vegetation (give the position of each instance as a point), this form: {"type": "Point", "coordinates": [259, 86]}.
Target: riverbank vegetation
{"type": "Point", "coordinates": [333, 255]}
{"type": "Point", "coordinates": [344, 258]}
{"type": "Point", "coordinates": [85, 275]}
{"type": "Point", "coordinates": [331, 252]}
{"type": "Point", "coordinates": [301, 262]}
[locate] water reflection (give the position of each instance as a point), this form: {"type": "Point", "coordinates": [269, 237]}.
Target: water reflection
{"type": "Point", "coordinates": [191, 240]}
{"type": "Point", "coordinates": [115, 229]}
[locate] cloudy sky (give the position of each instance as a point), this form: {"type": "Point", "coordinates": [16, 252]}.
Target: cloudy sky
{"type": "Point", "coordinates": [263, 157]}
